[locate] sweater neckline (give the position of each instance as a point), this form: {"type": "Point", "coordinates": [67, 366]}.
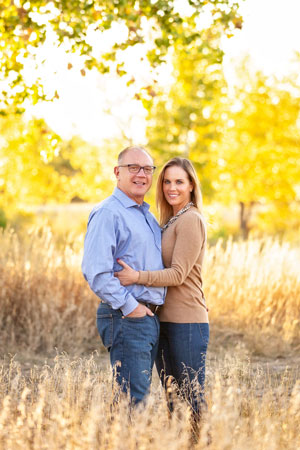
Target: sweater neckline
{"type": "Point", "coordinates": [173, 218]}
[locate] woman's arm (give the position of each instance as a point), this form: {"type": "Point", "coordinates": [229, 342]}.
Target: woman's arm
{"type": "Point", "coordinates": [190, 238]}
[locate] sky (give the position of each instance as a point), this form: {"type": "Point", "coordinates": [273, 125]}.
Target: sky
{"type": "Point", "coordinates": [98, 108]}
{"type": "Point", "coordinates": [270, 34]}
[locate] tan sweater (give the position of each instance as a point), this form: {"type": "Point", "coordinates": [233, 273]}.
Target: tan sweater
{"type": "Point", "coordinates": [183, 247]}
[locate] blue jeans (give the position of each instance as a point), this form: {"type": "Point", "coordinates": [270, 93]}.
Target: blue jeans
{"type": "Point", "coordinates": [133, 344]}
{"type": "Point", "coordinates": [181, 359]}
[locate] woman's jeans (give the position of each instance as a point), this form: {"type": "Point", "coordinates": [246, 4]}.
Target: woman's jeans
{"type": "Point", "coordinates": [181, 358]}
{"type": "Point", "coordinates": [132, 343]}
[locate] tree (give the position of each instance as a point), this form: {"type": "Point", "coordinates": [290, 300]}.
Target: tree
{"type": "Point", "coordinates": [185, 117]}
{"type": "Point", "coordinates": [257, 161]}
{"type": "Point", "coordinates": [25, 173]}
{"type": "Point", "coordinates": [25, 25]}
{"type": "Point", "coordinates": [38, 167]}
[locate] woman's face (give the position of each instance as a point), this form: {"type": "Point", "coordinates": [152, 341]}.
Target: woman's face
{"type": "Point", "coordinates": [177, 188]}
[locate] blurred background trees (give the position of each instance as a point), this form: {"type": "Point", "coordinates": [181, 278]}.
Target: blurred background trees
{"type": "Point", "coordinates": [242, 138]}
{"type": "Point", "coordinates": [257, 159]}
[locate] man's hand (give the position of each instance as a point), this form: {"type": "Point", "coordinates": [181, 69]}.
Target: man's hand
{"type": "Point", "coordinates": [140, 311]}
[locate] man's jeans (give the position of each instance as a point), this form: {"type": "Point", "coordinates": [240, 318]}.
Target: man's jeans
{"type": "Point", "coordinates": [133, 344]}
{"type": "Point", "coordinates": [181, 358]}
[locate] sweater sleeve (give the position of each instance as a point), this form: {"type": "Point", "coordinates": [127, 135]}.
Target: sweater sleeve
{"type": "Point", "coordinates": [190, 239]}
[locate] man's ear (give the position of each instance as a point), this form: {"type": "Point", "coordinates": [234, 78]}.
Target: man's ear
{"type": "Point", "coordinates": [116, 172]}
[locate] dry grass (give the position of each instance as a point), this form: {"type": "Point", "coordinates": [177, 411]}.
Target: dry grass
{"type": "Point", "coordinates": [45, 302]}
{"type": "Point", "coordinates": [68, 406]}
{"type": "Point", "coordinates": [253, 287]}
{"type": "Point", "coordinates": [253, 291]}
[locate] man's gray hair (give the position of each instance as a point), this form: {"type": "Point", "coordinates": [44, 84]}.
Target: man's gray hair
{"type": "Point", "coordinates": [133, 147]}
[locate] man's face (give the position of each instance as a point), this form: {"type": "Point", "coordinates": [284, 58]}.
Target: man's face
{"type": "Point", "coordinates": [134, 185]}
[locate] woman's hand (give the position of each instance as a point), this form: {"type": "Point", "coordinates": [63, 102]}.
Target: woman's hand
{"type": "Point", "coordinates": [127, 275]}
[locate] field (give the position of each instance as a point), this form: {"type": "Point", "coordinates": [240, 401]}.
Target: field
{"type": "Point", "coordinates": [55, 382]}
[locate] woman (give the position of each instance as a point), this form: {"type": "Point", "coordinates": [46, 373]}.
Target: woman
{"type": "Point", "coordinates": [184, 330]}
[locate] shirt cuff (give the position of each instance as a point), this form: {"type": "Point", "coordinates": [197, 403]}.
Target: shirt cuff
{"type": "Point", "coordinates": [143, 277]}
{"type": "Point", "coordinates": [129, 306]}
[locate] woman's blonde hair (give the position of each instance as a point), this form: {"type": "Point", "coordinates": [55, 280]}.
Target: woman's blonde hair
{"type": "Point", "coordinates": [165, 210]}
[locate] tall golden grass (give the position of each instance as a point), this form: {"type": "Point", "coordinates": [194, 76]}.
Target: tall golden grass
{"type": "Point", "coordinates": [45, 302]}
{"type": "Point", "coordinates": [68, 406]}
{"type": "Point", "coordinates": [252, 288]}
{"type": "Point", "coordinates": [253, 292]}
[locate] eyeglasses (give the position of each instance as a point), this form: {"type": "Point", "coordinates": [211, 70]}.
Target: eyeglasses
{"type": "Point", "coordinates": [135, 168]}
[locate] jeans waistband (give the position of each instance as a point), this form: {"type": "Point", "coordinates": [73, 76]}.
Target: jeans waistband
{"type": "Point", "coordinates": [154, 308]}
{"type": "Point", "coordinates": [151, 306]}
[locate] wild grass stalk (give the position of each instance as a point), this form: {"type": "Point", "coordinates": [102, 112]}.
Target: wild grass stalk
{"type": "Point", "coordinates": [45, 302]}
{"type": "Point", "coordinates": [68, 406]}
{"type": "Point", "coordinates": [254, 287]}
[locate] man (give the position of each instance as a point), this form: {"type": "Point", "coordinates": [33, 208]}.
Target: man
{"type": "Point", "coordinates": [121, 227]}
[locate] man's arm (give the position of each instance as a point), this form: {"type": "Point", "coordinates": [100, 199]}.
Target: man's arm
{"type": "Point", "coordinates": [100, 252]}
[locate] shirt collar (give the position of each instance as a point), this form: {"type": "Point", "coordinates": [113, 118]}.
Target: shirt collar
{"type": "Point", "coordinates": [128, 202]}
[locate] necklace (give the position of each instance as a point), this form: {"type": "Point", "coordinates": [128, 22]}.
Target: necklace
{"type": "Point", "coordinates": [172, 219]}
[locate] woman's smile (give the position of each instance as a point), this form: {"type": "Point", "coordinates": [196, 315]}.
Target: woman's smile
{"type": "Point", "coordinates": [177, 187]}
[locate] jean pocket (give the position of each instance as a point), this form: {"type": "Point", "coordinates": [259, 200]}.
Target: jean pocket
{"type": "Point", "coordinates": [135, 319]}
{"type": "Point", "coordinates": [105, 329]}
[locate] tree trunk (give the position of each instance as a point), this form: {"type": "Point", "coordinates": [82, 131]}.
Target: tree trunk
{"type": "Point", "coordinates": [245, 215]}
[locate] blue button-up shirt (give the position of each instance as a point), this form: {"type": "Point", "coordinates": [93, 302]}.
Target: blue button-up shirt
{"type": "Point", "coordinates": [120, 228]}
